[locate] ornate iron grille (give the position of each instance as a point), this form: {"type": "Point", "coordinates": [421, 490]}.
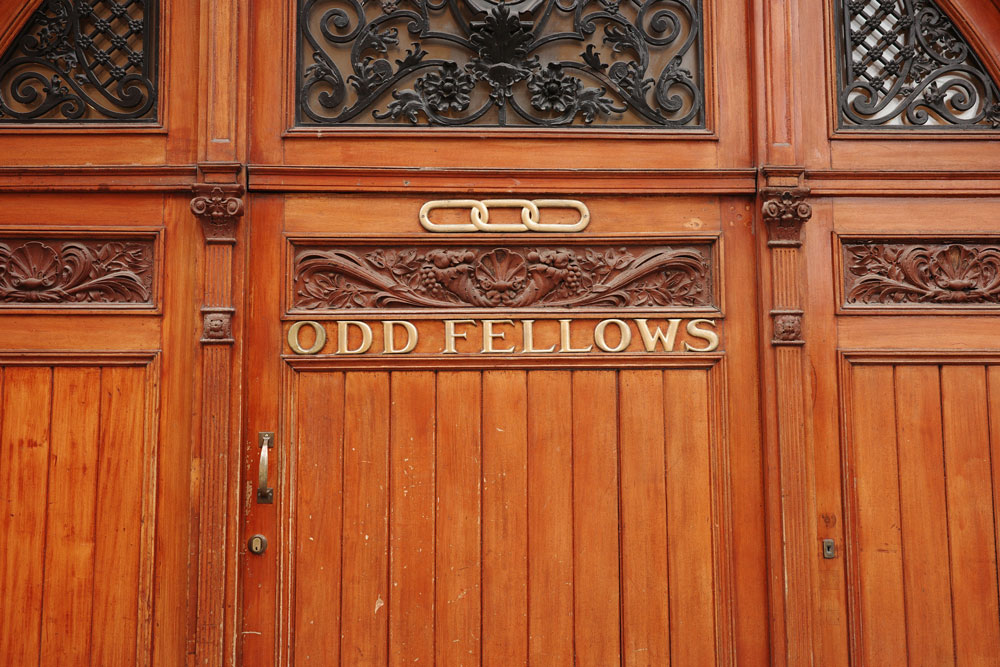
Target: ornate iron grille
{"type": "Point", "coordinates": [904, 65]}
{"type": "Point", "coordinates": [523, 62]}
{"type": "Point", "coordinates": [82, 60]}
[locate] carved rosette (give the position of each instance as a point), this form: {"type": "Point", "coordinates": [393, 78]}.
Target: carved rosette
{"type": "Point", "coordinates": [787, 326]}
{"type": "Point", "coordinates": [785, 211]}
{"type": "Point", "coordinates": [217, 325]}
{"type": "Point", "coordinates": [219, 207]}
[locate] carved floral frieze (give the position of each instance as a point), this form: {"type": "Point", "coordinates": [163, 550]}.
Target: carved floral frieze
{"type": "Point", "coordinates": [357, 277]}
{"type": "Point", "coordinates": [57, 272]}
{"type": "Point", "coordinates": [931, 273]}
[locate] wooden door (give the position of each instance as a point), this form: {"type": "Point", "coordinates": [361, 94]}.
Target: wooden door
{"type": "Point", "coordinates": [530, 497]}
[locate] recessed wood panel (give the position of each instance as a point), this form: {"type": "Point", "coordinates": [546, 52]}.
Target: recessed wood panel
{"type": "Point", "coordinates": [78, 477]}
{"type": "Point", "coordinates": [921, 511]}
{"type": "Point", "coordinates": [508, 517]}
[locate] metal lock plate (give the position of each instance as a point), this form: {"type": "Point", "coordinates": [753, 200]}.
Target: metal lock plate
{"type": "Point", "coordinates": [829, 549]}
{"type": "Point", "coordinates": [257, 545]}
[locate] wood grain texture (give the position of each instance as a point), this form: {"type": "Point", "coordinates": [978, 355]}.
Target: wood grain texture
{"type": "Point", "coordinates": [365, 592]}
{"type": "Point", "coordinates": [412, 515]}
{"type": "Point", "coordinates": [319, 463]}
{"type": "Point", "coordinates": [505, 518]}
{"type": "Point", "coordinates": [550, 519]}
{"type": "Point", "coordinates": [596, 563]}
{"type": "Point", "coordinates": [458, 559]}
{"type": "Point", "coordinates": [644, 539]}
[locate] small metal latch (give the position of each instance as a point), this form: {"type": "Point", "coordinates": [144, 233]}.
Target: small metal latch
{"type": "Point", "coordinates": [829, 549]}
{"type": "Point", "coordinates": [257, 544]}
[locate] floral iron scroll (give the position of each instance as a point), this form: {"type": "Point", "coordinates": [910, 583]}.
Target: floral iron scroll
{"type": "Point", "coordinates": [904, 65]}
{"type": "Point", "coordinates": [77, 272]}
{"type": "Point", "coordinates": [79, 60]}
{"type": "Point", "coordinates": [510, 277]}
{"type": "Point", "coordinates": [524, 62]}
{"type": "Point", "coordinates": [928, 274]}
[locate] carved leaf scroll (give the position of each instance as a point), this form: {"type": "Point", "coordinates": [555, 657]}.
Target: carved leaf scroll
{"type": "Point", "coordinates": [886, 273]}
{"type": "Point", "coordinates": [328, 278]}
{"type": "Point", "coordinates": [75, 272]}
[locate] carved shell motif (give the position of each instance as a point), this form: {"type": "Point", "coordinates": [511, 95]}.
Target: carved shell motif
{"type": "Point", "coordinates": [889, 273]}
{"type": "Point", "coordinates": [76, 272]}
{"type": "Point", "coordinates": [508, 277]}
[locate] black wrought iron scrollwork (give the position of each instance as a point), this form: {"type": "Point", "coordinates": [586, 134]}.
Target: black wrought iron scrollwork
{"type": "Point", "coordinates": [83, 60]}
{"type": "Point", "coordinates": [524, 62]}
{"type": "Point", "coordinates": [905, 65]}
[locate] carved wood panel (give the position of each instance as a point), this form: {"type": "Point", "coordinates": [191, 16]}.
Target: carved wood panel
{"type": "Point", "coordinates": [671, 274]}
{"type": "Point", "coordinates": [904, 274]}
{"type": "Point", "coordinates": [78, 271]}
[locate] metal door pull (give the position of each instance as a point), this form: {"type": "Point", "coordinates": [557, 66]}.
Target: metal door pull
{"type": "Point", "coordinates": [265, 494]}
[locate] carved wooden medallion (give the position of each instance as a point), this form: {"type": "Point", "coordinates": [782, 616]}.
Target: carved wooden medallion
{"type": "Point", "coordinates": [939, 273]}
{"type": "Point", "coordinates": [514, 276]}
{"type": "Point", "coordinates": [73, 272]}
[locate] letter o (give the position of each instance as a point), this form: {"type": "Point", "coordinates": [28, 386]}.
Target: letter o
{"type": "Point", "coordinates": [622, 344]}
{"type": "Point", "coordinates": [293, 337]}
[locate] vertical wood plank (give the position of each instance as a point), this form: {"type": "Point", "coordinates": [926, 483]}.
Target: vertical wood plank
{"type": "Point", "coordinates": [970, 515]}
{"type": "Point", "coordinates": [457, 603]}
{"type": "Point", "coordinates": [118, 525]}
{"type": "Point", "coordinates": [689, 517]}
{"type": "Point", "coordinates": [505, 519]}
{"type": "Point", "coordinates": [411, 523]}
{"type": "Point", "coordinates": [364, 624]}
{"type": "Point", "coordinates": [993, 391]}
{"type": "Point", "coordinates": [24, 454]}
{"type": "Point", "coordinates": [550, 518]}
{"type": "Point", "coordinates": [319, 450]}
{"type": "Point", "coordinates": [645, 589]}
{"type": "Point", "coordinates": [879, 547]}
{"type": "Point", "coordinates": [69, 555]}
{"type": "Point", "coordinates": [595, 519]}
{"type": "Point", "coordinates": [923, 511]}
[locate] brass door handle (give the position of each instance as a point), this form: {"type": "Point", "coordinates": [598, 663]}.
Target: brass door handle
{"type": "Point", "coordinates": [265, 494]}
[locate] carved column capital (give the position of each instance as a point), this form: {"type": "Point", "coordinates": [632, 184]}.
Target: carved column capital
{"type": "Point", "coordinates": [219, 206]}
{"type": "Point", "coordinates": [785, 211]}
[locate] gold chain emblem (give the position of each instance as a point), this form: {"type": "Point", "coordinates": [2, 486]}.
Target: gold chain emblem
{"type": "Point", "coordinates": [479, 215]}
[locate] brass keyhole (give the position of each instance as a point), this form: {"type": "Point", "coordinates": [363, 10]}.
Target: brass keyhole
{"type": "Point", "coordinates": [257, 544]}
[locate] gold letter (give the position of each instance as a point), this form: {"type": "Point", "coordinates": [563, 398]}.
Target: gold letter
{"type": "Point", "coordinates": [450, 335]}
{"type": "Point", "coordinates": [667, 339]}
{"type": "Point", "coordinates": [565, 344]}
{"type": "Point", "coordinates": [626, 336]}
{"type": "Point", "coordinates": [704, 334]}
{"type": "Point", "coordinates": [342, 331]}
{"type": "Point", "coordinates": [390, 339]}
{"type": "Point", "coordinates": [293, 337]}
{"type": "Point", "coordinates": [488, 336]}
{"type": "Point", "coordinates": [529, 338]}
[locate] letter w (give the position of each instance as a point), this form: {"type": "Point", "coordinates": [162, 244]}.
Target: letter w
{"type": "Point", "coordinates": [650, 338]}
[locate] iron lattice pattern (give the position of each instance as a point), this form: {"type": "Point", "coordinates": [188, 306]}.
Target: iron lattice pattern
{"type": "Point", "coordinates": [82, 60]}
{"type": "Point", "coordinates": [523, 62]}
{"type": "Point", "coordinates": [905, 65]}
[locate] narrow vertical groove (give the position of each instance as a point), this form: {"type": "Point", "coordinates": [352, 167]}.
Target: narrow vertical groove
{"type": "Point", "coordinates": [621, 521]}
{"type": "Point", "coordinates": [482, 505]}
{"type": "Point", "coordinates": [527, 523]}
{"type": "Point", "coordinates": [899, 515]}
{"type": "Point", "coordinates": [993, 486]}
{"type": "Point", "coordinates": [666, 509]}
{"type": "Point", "coordinates": [343, 504]}
{"type": "Point", "coordinates": [572, 512]}
{"type": "Point", "coordinates": [434, 560]}
{"type": "Point", "coordinates": [97, 501]}
{"type": "Point", "coordinates": [389, 509]}
{"type": "Point", "coordinates": [947, 511]}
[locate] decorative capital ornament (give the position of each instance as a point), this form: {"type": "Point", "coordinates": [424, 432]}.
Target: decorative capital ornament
{"type": "Point", "coordinates": [785, 211]}
{"type": "Point", "coordinates": [219, 207]}
{"type": "Point", "coordinates": [787, 326]}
